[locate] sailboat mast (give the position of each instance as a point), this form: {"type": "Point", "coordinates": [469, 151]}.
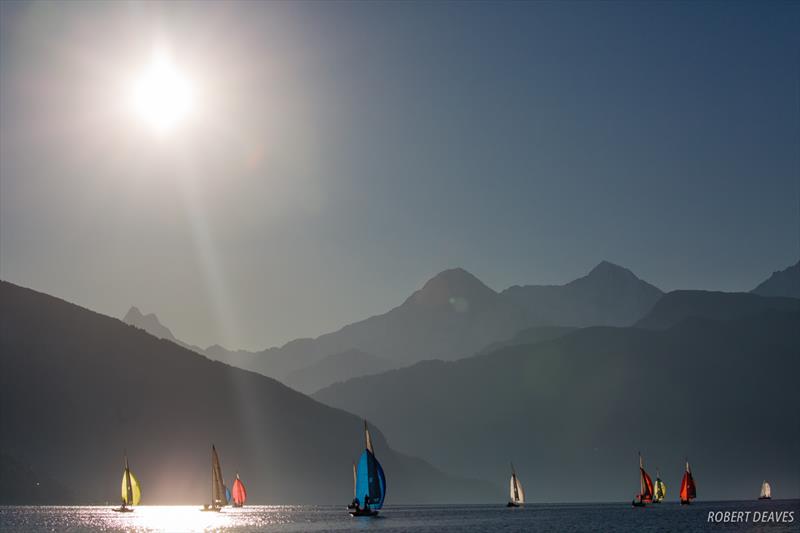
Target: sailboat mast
{"type": "Point", "coordinates": [128, 487]}
{"type": "Point", "coordinates": [213, 476]}
{"type": "Point", "coordinates": [641, 476]}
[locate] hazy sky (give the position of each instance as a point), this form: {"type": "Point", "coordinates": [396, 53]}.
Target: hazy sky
{"type": "Point", "coordinates": [338, 155]}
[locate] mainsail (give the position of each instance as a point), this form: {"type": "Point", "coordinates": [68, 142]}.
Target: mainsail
{"type": "Point", "coordinates": [766, 491]}
{"type": "Point", "coordinates": [688, 490]}
{"type": "Point", "coordinates": [367, 438]}
{"type": "Point", "coordinates": [516, 493]}
{"type": "Point", "coordinates": [239, 493]}
{"type": "Point", "coordinates": [370, 479]}
{"type": "Point", "coordinates": [131, 492]}
{"type": "Point", "coordinates": [660, 489]}
{"type": "Point", "coordinates": [354, 480]}
{"type": "Point", "coordinates": [218, 489]}
{"type": "Point", "coordinates": [645, 483]}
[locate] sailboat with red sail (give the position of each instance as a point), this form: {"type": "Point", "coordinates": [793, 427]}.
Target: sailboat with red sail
{"type": "Point", "coordinates": [645, 495]}
{"type": "Point", "coordinates": [238, 492]}
{"type": "Point", "coordinates": [688, 489]}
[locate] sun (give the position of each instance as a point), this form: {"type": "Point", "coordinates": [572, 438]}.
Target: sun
{"type": "Point", "coordinates": [162, 96]}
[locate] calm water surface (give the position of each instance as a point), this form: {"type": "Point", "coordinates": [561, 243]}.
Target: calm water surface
{"type": "Point", "coordinates": [562, 518]}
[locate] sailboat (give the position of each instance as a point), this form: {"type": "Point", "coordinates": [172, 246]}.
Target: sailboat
{"type": "Point", "coordinates": [370, 482]}
{"type": "Point", "coordinates": [131, 492]}
{"type": "Point", "coordinates": [688, 490]}
{"type": "Point", "coordinates": [516, 494]}
{"type": "Point", "coordinates": [219, 492]}
{"type": "Point", "coordinates": [766, 491]}
{"type": "Point", "coordinates": [660, 489]}
{"type": "Point", "coordinates": [645, 495]}
{"type": "Point", "coordinates": [238, 492]}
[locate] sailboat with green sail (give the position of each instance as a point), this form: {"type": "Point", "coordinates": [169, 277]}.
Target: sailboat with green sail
{"type": "Point", "coordinates": [219, 492]}
{"type": "Point", "coordinates": [131, 491]}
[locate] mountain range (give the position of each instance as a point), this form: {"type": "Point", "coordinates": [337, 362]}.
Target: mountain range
{"type": "Point", "coordinates": [452, 315]}
{"type": "Point", "coordinates": [571, 412]}
{"type": "Point", "coordinates": [77, 388]}
{"type": "Point", "coordinates": [670, 374]}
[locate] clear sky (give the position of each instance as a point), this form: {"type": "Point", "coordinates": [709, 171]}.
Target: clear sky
{"type": "Point", "coordinates": [337, 155]}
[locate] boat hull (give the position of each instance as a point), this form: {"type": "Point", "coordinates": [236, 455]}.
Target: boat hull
{"type": "Point", "coordinates": [363, 512]}
{"type": "Point", "coordinates": [765, 498]}
{"type": "Point", "coordinates": [686, 502]}
{"type": "Point", "coordinates": [211, 509]}
{"type": "Point", "coordinates": [122, 510]}
{"type": "Point", "coordinates": [512, 504]}
{"type": "Point", "coordinates": [639, 503]}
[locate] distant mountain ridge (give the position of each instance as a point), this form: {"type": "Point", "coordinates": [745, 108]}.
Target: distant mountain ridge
{"type": "Point", "coordinates": [677, 306]}
{"type": "Point", "coordinates": [454, 315]}
{"type": "Point", "coordinates": [609, 295]}
{"type": "Point", "coordinates": [572, 411]}
{"type": "Point", "coordinates": [149, 323]}
{"type": "Point", "coordinates": [77, 388]}
{"type": "Point", "coordinates": [784, 282]}
{"type": "Point", "coordinates": [337, 367]}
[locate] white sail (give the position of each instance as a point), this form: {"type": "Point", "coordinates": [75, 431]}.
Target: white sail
{"type": "Point", "coordinates": [766, 490]}
{"type": "Point", "coordinates": [516, 493]}
{"type": "Point", "coordinates": [367, 438]}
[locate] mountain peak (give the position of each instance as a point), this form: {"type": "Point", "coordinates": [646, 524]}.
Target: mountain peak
{"type": "Point", "coordinates": [607, 268]}
{"type": "Point", "coordinates": [454, 287]}
{"type": "Point", "coordinates": [132, 314]}
{"type": "Point", "coordinates": [149, 323]}
{"type": "Point", "coordinates": [781, 283]}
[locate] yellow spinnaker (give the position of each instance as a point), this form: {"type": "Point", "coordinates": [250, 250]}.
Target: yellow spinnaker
{"type": "Point", "coordinates": [136, 491]}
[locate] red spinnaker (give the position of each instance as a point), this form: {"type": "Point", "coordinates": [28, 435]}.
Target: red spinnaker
{"type": "Point", "coordinates": [688, 491]}
{"type": "Point", "coordinates": [238, 492]}
{"type": "Point", "coordinates": [647, 486]}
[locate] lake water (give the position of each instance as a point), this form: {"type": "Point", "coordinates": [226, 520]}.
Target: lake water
{"type": "Point", "coordinates": [561, 518]}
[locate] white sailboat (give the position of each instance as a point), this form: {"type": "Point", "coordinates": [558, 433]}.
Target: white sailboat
{"type": "Point", "coordinates": [516, 493]}
{"type": "Point", "coordinates": [766, 491]}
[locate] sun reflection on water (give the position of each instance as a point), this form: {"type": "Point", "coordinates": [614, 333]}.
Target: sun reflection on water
{"type": "Point", "coordinates": [189, 518]}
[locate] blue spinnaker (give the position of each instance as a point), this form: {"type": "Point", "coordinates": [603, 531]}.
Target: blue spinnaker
{"type": "Point", "coordinates": [370, 481]}
{"type": "Point", "coordinates": [228, 495]}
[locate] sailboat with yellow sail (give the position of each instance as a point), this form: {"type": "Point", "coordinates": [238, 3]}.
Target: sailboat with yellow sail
{"type": "Point", "coordinates": [131, 491]}
{"type": "Point", "coordinates": [660, 489]}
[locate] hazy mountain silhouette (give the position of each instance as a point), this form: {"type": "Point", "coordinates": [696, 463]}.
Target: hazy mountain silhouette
{"type": "Point", "coordinates": [677, 306]}
{"type": "Point", "coordinates": [77, 388]}
{"type": "Point", "coordinates": [337, 367]}
{"type": "Point", "coordinates": [781, 283]}
{"type": "Point", "coordinates": [609, 295]}
{"type": "Point", "coordinates": [572, 412]}
{"type": "Point", "coordinates": [149, 323]}
{"type": "Point", "coordinates": [455, 315]}
{"type": "Point", "coordinates": [530, 335]}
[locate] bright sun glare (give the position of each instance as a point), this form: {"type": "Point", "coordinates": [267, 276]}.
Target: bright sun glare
{"type": "Point", "coordinates": [162, 96]}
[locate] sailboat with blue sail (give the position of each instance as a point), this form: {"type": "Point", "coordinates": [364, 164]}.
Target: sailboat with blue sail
{"type": "Point", "coordinates": [370, 482]}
